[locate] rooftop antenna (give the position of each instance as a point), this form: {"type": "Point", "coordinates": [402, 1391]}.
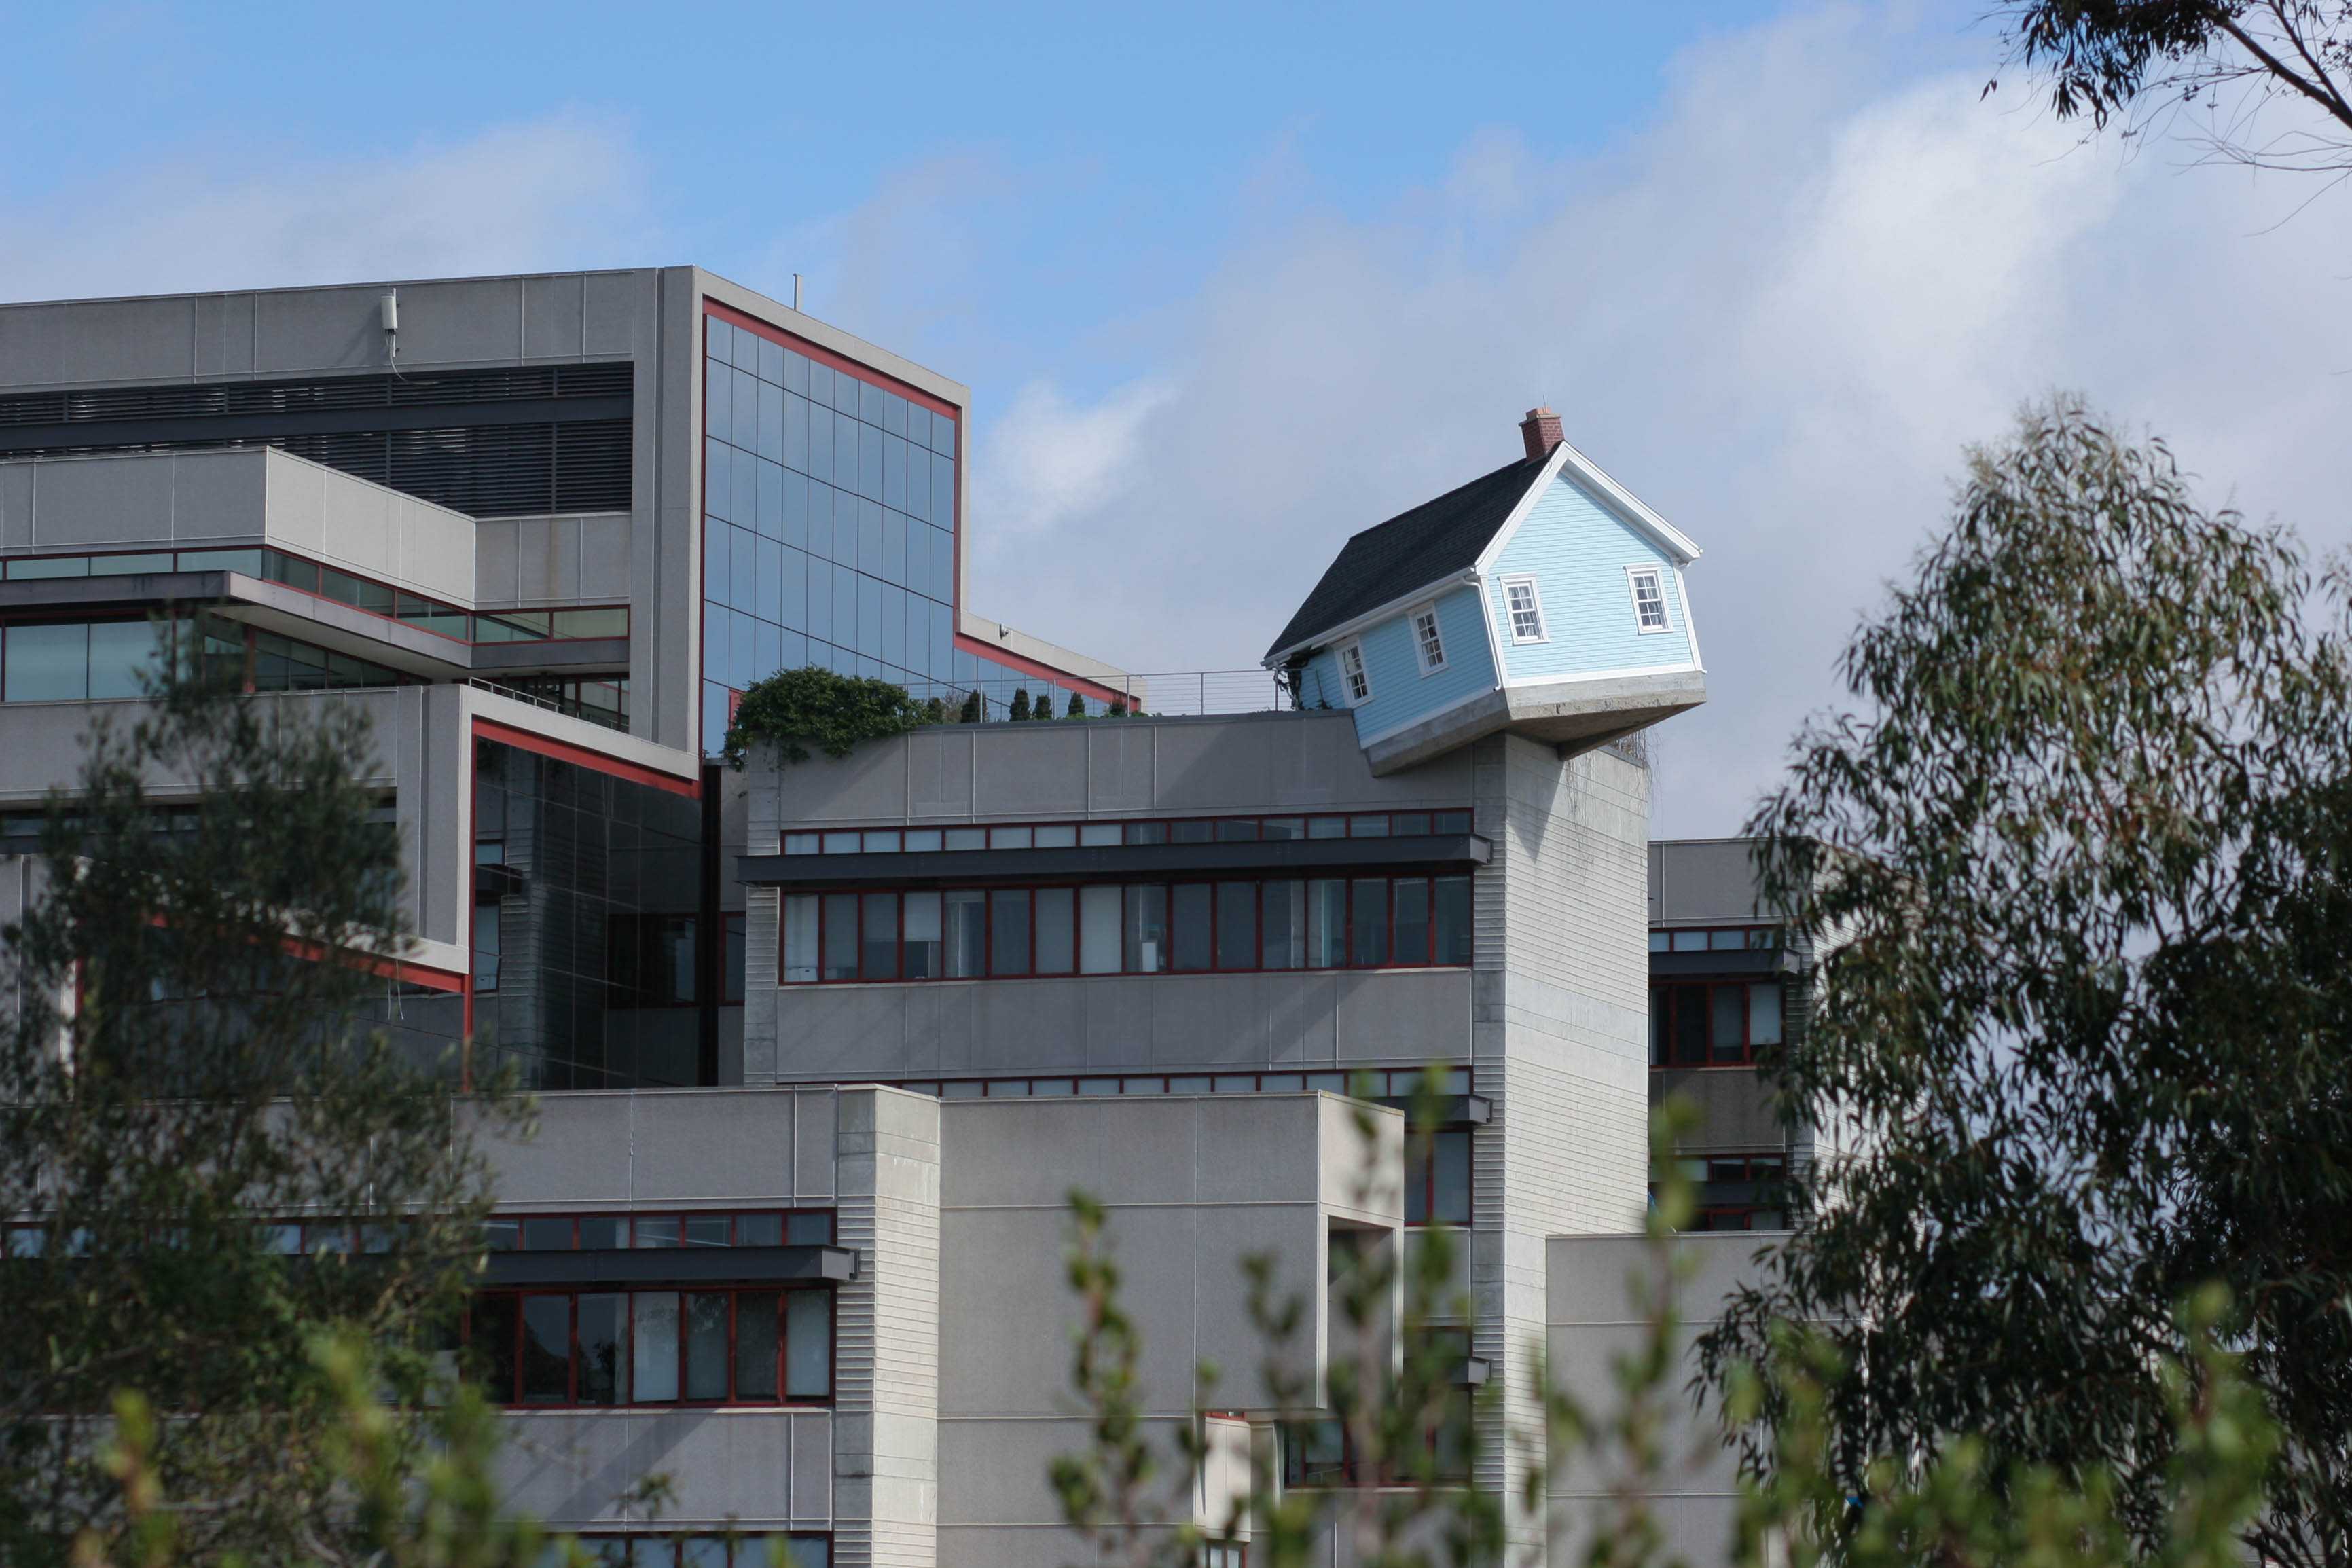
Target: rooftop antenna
{"type": "Point", "coordinates": [796, 291]}
{"type": "Point", "coordinates": [389, 308]}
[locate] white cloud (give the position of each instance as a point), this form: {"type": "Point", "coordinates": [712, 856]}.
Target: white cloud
{"type": "Point", "coordinates": [1778, 313]}
{"type": "Point", "coordinates": [562, 192]}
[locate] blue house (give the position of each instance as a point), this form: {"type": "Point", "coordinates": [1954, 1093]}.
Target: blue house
{"type": "Point", "coordinates": [1542, 599]}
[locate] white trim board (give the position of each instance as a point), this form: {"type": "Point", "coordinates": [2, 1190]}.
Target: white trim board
{"type": "Point", "coordinates": [1613, 498]}
{"type": "Point", "coordinates": [1340, 630]}
{"type": "Point", "coordinates": [1690, 666]}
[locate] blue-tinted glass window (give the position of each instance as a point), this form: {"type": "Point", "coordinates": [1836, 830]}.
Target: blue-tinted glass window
{"type": "Point", "coordinates": [844, 607]}
{"type": "Point", "coordinates": [942, 490]}
{"type": "Point", "coordinates": [869, 617]}
{"type": "Point", "coordinates": [844, 452]}
{"type": "Point", "coordinates": [717, 553]}
{"type": "Point", "coordinates": [869, 537]}
{"type": "Point", "coordinates": [767, 649]}
{"type": "Point", "coordinates": [915, 549]}
{"type": "Point", "coordinates": [917, 497]}
{"type": "Point", "coordinates": [746, 411]}
{"type": "Point", "coordinates": [796, 373]}
{"type": "Point", "coordinates": [743, 650]}
{"type": "Point", "coordinates": [894, 546]}
{"type": "Point", "coordinates": [718, 479]}
{"type": "Point", "coordinates": [714, 642]}
{"type": "Point", "coordinates": [792, 588]}
{"type": "Point", "coordinates": [820, 385]}
{"type": "Point", "coordinates": [942, 641]}
{"type": "Point", "coordinates": [47, 663]}
{"type": "Point", "coordinates": [894, 625]}
{"type": "Point", "coordinates": [870, 400]}
{"type": "Point", "coordinates": [796, 506]}
{"type": "Point", "coordinates": [844, 527]}
{"type": "Point", "coordinates": [718, 398]}
{"type": "Point", "coordinates": [869, 462]}
{"type": "Point", "coordinates": [767, 581]}
{"type": "Point", "coordinates": [943, 566]}
{"type": "Point", "coordinates": [819, 598]}
{"type": "Point", "coordinates": [820, 438]}
{"type": "Point", "coordinates": [771, 422]}
{"type": "Point", "coordinates": [894, 471]}
{"type": "Point", "coordinates": [894, 413]}
{"type": "Point", "coordinates": [771, 499]}
{"type": "Point", "coordinates": [795, 454]}
{"type": "Point", "coordinates": [746, 489]}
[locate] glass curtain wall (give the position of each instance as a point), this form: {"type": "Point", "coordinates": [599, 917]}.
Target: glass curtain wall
{"type": "Point", "coordinates": [587, 893]}
{"type": "Point", "coordinates": [829, 531]}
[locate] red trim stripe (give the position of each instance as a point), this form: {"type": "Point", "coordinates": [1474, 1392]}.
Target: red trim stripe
{"type": "Point", "coordinates": [595, 761]}
{"type": "Point", "coordinates": [1045, 672]}
{"type": "Point", "coordinates": [832, 361]}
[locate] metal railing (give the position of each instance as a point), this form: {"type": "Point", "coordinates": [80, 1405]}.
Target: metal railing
{"type": "Point", "coordinates": [1164, 694]}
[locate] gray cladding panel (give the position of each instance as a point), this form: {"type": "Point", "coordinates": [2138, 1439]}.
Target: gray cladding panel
{"type": "Point", "coordinates": [709, 1146]}
{"type": "Point", "coordinates": [1735, 1107]}
{"type": "Point", "coordinates": [726, 1466]}
{"type": "Point", "coordinates": [112, 340]}
{"type": "Point", "coordinates": [1017, 772]}
{"type": "Point", "coordinates": [553, 316]}
{"type": "Point", "coordinates": [1703, 879]}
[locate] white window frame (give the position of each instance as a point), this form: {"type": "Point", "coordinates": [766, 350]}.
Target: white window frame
{"type": "Point", "coordinates": [1535, 603]}
{"type": "Point", "coordinates": [1436, 632]}
{"type": "Point", "coordinates": [1354, 646]}
{"type": "Point", "coordinates": [1657, 574]}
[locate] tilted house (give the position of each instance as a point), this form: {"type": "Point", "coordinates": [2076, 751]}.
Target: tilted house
{"type": "Point", "coordinates": [1541, 598]}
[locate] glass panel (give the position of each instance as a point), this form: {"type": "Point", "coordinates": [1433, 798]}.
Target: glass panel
{"type": "Point", "coordinates": [46, 664]}
{"type": "Point", "coordinates": [1236, 924]}
{"type": "Point", "coordinates": [813, 1229]}
{"type": "Point", "coordinates": [602, 1233]}
{"type": "Point", "coordinates": [920, 841]}
{"type": "Point", "coordinates": [1147, 929]}
{"type": "Point", "coordinates": [967, 932]}
{"type": "Point", "coordinates": [1409, 824]}
{"type": "Point", "coordinates": [882, 842]}
{"type": "Point", "coordinates": [547, 1235]}
{"type": "Point", "coordinates": [656, 1230]}
{"type": "Point", "coordinates": [653, 1345]}
{"type": "Point", "coordinates": [1450, 822]}
{"type": "Point", "coordinates": [1764, 1014]}
{"type": "Point", "coordinates": [490, 1342]}
{"type": "Point", "coordinates": [1238, 830]}
{"type": "Point", "coordinates": [1196, 833]}
{"type": "Point", "coordinates": [1008, 931]}
{"type": "Point", "coordinates": [841, 936]}
{"type": "Point", "coordinates": [1091, 834]}
{"type": "Point", "coordinates": [1056, 836]}
{"type": "Point", "coordinates": [1369, 827]}
{"type": "Point", "coordinates": [799, 939]}
{"type": "Point", "coordinates": [967, 838]}
{"type": "Point", "coordinates": [1283, 827]}
{"type": "Point", "coordinates": [709, 1229]}
{"type": "Point", "coordinates": [43, 566]}
{"type": "Point", "coordinates": [1188, 924]}
{"type": "Point", "coordinates": [1367, 922]}
{"type": "Point", "coordinates": [1147, 832]}
{"type": "Point", "coordinates": [1727, 941]}
{"type": "Point", "coordinates": [759, 1324]}
{"type": "Point", "coordinates": [1326, 922]}
{"type": "Point", "coordinates": [1235, 1084]}
{"type": "Point", "coordinates": [1008, 838]}
{"type": "Point", "coordinates": [1056, 930]}
{"type": "Point", "coordinates": [1411, 920]}
{"type": "Point", "coordinates": [603, 1349]}
{"type": "Point", "coordinates": [1450, 1182]}
{"type": "Point", "coordinates": [1453, 921]}
{"type": "Point", "coordinates": [759, 1230]}
{"type": "Point", "coordinates": [1727, 1017]}
{"type": "Point", "coordinates": [1658, 941]}
{"type": "Point", "coordinates": [706, 1345]}
{"type": "Point", "coordinates": [879, 956]}
{"type": "Point", "coordinates": [1327, 827]}
{"type": "Point", "coordinates": [808, 1345]}
{"type": "Point", "coordinates": [1689, 1003]}
{"type": "Point", "coordinates": [120, 652]}
{"type": "Point", "coordinates": [1098, 909]}
{"type": "Point", "coordinates": [922, 937]}
{"type": "Point", "coordinates": [1690, 941]}
{"type": "Point", "coordinates": [1284, 938]}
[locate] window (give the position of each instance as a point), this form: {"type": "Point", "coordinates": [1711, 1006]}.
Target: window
{"type": "Point", "coordinates": [1237, 926]}
{"type": "Point", "coordinates": [1739, 1192]}
{"type": "Point", "coordinates": [1526, 609]}
{"type": "Point", "coordinates": [588, 1347]}
{"type": "Point", "coordinates": [1427, 639]}
{"type": "Point", "coordinates": [1649, 598]}
{"type": "Point", "coordinates": [668, 1550]}
{"type": "Point", "coordinates": [1702, 1023]}
{"type": "Point", "coordinates": [1437, 1178]}
{"type": "Point", "coordinates": [1352, 671]}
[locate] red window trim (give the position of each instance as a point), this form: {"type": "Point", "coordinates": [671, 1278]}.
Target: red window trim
{"type": "Point", "coordinates": [1664, 1025]}
{"type": "Point", "coordinates": [581, 756]}
{"type": "Point", "coordinates": [898, 974]}
{"type": "Point", "coordinates": [1348, 819]}
{"type": "Point", "coordinates": [1424, 1145]}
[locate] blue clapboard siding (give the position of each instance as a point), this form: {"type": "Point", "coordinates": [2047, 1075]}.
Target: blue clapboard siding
{"type": "Point", "coordinates": [1401, 695]}
{"type": "Point", "coordinates": [1577, 550]}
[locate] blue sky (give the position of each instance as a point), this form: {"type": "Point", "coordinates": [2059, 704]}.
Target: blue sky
{"type": "Point", "coordinates": [1231, 283]}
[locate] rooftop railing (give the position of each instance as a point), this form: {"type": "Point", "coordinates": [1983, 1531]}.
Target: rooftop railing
{"type": "Point", "coordinates": [1165, 695]}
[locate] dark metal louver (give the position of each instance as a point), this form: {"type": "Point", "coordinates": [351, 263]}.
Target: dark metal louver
{"type": "Point", "coordinates": [489, 442]}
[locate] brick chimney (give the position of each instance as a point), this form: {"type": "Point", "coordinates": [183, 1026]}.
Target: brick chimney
{"type": "Point", "coordinates": [1540, 430]}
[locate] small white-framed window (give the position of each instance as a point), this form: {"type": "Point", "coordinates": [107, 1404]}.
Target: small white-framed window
{"type": "Point", "coordinates": [1428, 640]}
{"type": "Point", "coordinates": [1352, 673]}
{"type": "Point", "coordinates": [1525, 607]}
{"type": "Point", "coordinates": [1648, 586]}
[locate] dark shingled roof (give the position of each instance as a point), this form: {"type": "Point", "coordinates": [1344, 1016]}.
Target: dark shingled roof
{"type": "Point", "coordinates": [1411, 550]}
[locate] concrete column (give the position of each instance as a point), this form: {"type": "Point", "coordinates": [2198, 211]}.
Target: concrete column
{"type": "Point", "coordinates": [887, 1333]}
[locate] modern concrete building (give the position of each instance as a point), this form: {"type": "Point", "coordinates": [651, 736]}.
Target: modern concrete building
{"type": "Point", "coordinates": [825, 1045]}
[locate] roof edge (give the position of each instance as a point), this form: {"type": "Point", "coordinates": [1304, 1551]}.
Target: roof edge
{"type": "Point", "coordinates": [1467, 576]}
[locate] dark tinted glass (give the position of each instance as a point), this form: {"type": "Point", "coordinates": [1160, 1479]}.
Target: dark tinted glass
{"type": "Point", "coordinates": [546, 1350]}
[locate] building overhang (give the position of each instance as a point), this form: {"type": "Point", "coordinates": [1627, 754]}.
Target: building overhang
{"type": "Point", "coordinates": [1109, 862]}
{"type": "Point", "coordinates": [1576, 715]}
{"type": "Point", "coordinates": [1742, 963]}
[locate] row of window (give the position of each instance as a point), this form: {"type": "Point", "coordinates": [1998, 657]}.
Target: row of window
{"type": "Point", "coordinates": [1739, 1192]}
{"type": "Point", "coordinates": [344, 587]}
{"type": "Point", "coordinates": [596, 1232]}
{"type": "Point", "coordinates": [599, 699]}
{"type": "Point", "coordinates": [1177, 831]}
{"type": "Point", "coordinates": [1134, 928]}
{"type": "Point", "coordinates": [747, 1551]}
{"type": "Point", "coordinates": [1715, 939]}
{"type": "Point", "coordinates": [1713, 1023]}
{"type": "Point", "coordinates": [74, 661]}
{"type": "Point", "coordinates": [744, 1347]}
{"type": "Point", "coordinates": [1399, 1083]}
